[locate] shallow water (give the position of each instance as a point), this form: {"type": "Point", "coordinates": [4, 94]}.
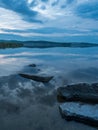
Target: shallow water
{"type": "Point", "coordinates": [26, 104]}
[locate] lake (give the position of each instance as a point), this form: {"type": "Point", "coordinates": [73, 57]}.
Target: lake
{"type": "Point", "coordinates": [31, 105]}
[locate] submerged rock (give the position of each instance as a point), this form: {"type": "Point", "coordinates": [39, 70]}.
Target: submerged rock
{"type": "Point", "coordinates": [79, 92]}
{"type": "Point", "coordinates": [37, 78]}
{"type": "Point", "coordinates": [32, 65]}
{"type": "Point", "coordinates": [85, 113]}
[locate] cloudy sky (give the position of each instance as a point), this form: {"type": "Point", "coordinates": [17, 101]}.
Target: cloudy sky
{"type": "Point", "coordinates": [54, 20]}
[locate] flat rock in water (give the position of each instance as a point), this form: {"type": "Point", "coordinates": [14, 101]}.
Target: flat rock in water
{"type": "Point", "coordinates": [79, 92]}
{"type": "Point", "coordinates": [32, 65]}
{"type": "Point", "coordinates": [37, 78]}
{"type": "Point", "coordinates": [85, 113]}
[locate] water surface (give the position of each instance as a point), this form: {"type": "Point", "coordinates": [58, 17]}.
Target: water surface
{"type": "Point", "coordinates": [26, 104]}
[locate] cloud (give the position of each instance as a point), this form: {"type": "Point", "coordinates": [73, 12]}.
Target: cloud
{"type": "Point", "coordinates": [11, 20]}
{"type": "Point", "coordinates": [70, 1]}
{"type": "Point", "coordinates": [55, 2]}
{"type": "Point", "coordinates": [20, 7]}
{"type": "Point", "coordinates": [88, 9]}
{"type": "Point", "coordinates": [48, 18]}
{"type": "Point", "coordinates": [44, 0]}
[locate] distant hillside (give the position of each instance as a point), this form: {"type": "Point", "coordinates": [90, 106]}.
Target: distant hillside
{"type": "Point", "coordinates": [10, 44]}
{"type": "Point", "coordinates": [43, 44]}
{"type": "Point", "coordinates": [47, 44]}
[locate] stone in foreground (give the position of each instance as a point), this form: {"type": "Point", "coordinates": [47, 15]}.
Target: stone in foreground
{"type": "Point", "coordinates": [37, 78]}
{"type": "Point", "coordinates": [79, 92]}
{"type": "Point", "coordinates": [32, 65]}
{"type": "Point", "coordinates": [84, 113]}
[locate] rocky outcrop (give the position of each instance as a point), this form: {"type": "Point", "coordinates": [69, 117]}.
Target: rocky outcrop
{"type": "Point", "coordinates": [37, 78]}
{"type": "Point", "coordinates": [85, 113]}
{"type": "Point", "coordinates": [79, 92]}
{"type": "Point", "coordinates": [81, 103]}
{"type": "Point", "coordinates": [32, 65]}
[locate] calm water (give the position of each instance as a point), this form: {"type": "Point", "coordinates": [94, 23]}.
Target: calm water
{"type": "Point", "coordinates": [29, 105]}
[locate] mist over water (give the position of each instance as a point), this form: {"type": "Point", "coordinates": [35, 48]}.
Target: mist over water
{"type": "Point", "coordinates": [26, 104]}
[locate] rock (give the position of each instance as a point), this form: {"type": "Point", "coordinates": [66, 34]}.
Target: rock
{"type": "Point", "coordinates": [79, 92]}
{"type": "Point", "coordinates": [84, 113]}
{"type": "Point", "coordinates": [32, 65]}
{"type": "Point", "coordinates": [37, 78]}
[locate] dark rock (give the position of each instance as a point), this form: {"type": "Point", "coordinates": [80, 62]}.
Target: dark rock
{"type": "Point", "coordinates": [84, 113]}
{"type": "Point", "coordinates": [79, 92]}
{"type": "Point", "coordinates": [37, 78]}
{"type": "Point", "coordinates": [32, 65]}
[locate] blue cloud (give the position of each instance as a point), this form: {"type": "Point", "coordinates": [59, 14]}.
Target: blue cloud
{"type": "Point", "coordinates": [58, 20]}
{"type": "Point", "coordinates": [10, 37]}
{"type": "Point", "coordinates": [55, 2]}
{"type": "Point", "coordinates": [70, 1]}
{"type": "Point", "coordinates": [88, 10]}
{"type": "Point", "coordinates": [44, 30]}
{"type": "Point", "coordinates": [20, 7]}
{"type": "Point", "coordinates": [90, 39]}
{"type": "Point", "coordinates": [44, 0]}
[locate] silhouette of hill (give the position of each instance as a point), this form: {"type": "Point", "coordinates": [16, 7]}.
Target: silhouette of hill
{"type": "Point", "coordinates": [43, 44]}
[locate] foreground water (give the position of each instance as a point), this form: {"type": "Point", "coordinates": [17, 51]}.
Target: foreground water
{"type": "Point", "coordinates": [26, 104]}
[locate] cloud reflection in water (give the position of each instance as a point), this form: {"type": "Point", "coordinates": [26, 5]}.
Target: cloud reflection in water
{"type": "Point", "coordinates": [32, 105]}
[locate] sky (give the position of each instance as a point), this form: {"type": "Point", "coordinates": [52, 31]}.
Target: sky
{"type": "Point", "coordinates": [51, 20]}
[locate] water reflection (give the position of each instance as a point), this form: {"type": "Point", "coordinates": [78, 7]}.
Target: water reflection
{"type": "Point", "coordinates": [61, 59]}
{"type": "Point", "coordinates": [26, 104]}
